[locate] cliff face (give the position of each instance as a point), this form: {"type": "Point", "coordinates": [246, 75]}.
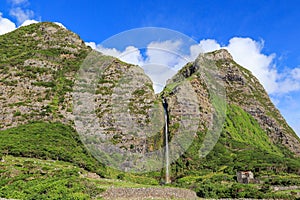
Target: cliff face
{"type": "Point", "coordinates": [39, 64]}
{"type": "Point", "coordinates": [38, 70]}
{"type": "Point", "coordinates": [241, 88]}
{"type": "Point", "coordinates": [120, 110]}
{"type": "Point", "coordinates": [244, 90]}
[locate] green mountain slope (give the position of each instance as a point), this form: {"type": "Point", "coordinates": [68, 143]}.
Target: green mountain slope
{"type": "Point", "coordinates": [238, 150]}
{"type": "Point", "coordinates": [38, 64]}
{"type": "Point", "coordinates": [49, 141]}
{"type": "Point", "coordinates": [33, 178]}
{"type": "Point", "coordinates": [254, 135]}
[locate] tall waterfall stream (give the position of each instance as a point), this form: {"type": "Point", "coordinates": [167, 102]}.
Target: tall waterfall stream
{"type": "Point", "coordinates": [167, 161]}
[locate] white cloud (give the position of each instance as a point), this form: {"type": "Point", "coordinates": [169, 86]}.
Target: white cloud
{"type": "Point", "coordinates": [132, 55]}
{"type": "Point", "coordinates": [296, 73]}
{"type": "Point", "coordinates": [209, 45]}
{"type": "Point", "coordinates": [60, 24]}
{"type": "Point", "coordinates": [6, 25]}
{"type": "Point", "coordinates": [159, 75]}
{"type": "Point", "coordinates": [163, 53]}
{"type": "Point", "coordinates": [287, 85]}
{"type": "Point", "coordinates": [195, 50]}
{"type": "Point", "coordinates": [161, 62]}
{"type": "Point", "coordinates": [91, 44]}
{"type": "Point", "coordinates": [28, 22]}
{"type": "Point", "coordinates": [106, 51]}
{"type": "Point", "coordinates": [204, 46]}
{"type": "Point", "coordinates": [17, 2]}
{"type": "Point", "coordinates": [247, 52]}
{"type": "Point", "coordinates": [21, 15]}
{"type": "Point", "coordinates": [288, 81]}
{"type": "Point", "coordinates": [166, 53]}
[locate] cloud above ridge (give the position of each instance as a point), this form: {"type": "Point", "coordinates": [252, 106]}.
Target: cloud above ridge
{"type": "Point", "coordinates": [160, 61]}
{"type": "Point", "coordinates": [6, 25]}
{"type": "Point", "coordinates": [245, 51]}
{"type": "Point", "coordinates": [18, 11]}
{"type": "Point", "coordinates": [21, 14]}
{"type": "Point", "coordinates": [17, 2]}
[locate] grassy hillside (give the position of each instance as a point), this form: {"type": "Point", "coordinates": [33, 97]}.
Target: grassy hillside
{"type": "Point", "coordinates": [213, 176]}
{"type": "Point", "coordinates": [49, 141]}
{"type": "Point", "coordinates": [242, 146]}
{"type": "Point", "coordinates": [45, 160]}
{"type": "Point", "coordinates": [28, 178]}
{"type": "Point", "coordinates": [32, 178]}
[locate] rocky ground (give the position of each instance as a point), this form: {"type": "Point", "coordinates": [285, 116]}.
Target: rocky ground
{"type": "Point", "coordinates": [149, 193]}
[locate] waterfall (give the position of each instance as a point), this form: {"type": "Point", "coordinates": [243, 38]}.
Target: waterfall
{"type": "Point", "coordinates": [167, 164]}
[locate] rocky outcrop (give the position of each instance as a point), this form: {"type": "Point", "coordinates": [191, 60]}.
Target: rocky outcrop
{"type": "Point", "coordinates": [36, 84]}
{"type": "Point", "coordinates": [124, 104]}
{"type": "Point", "coordinates": [244, 90]}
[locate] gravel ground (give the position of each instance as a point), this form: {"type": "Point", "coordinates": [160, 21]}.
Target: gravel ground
{"type": "Point", "coordinates": [149, 193]}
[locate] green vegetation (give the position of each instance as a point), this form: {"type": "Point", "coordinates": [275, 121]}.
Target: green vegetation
{"type": "Point", "coordinates": [257, 93]}
{"type": "Point", "coordinates": [243, 128]}
{"type": "Point", "coordinates": [137, 106]}
{"type": "Point", "coordinates": [42, 47]}
{"type": "Point", "coordinates": [44, 84]}
{"type": "Point", "coordinates": [23, 175]}
{"type": "Point", "coordinates": [28, 178]}
{"type": "Point", "coordinates": [31, 178]}
{"type": "Point", "coordinates": [48, 141]}
{"type": "Point", "coordinates": [139, 92]}
{"type": "Point", "coordinates": [242, 146]}
{"type": "Point", "coordinates": [169, 88]}
{"type": "Point", "coordinates": [17, 113]}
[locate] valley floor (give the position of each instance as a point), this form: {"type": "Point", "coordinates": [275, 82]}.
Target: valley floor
{"type": "Point", "coordinates": [30, 178]}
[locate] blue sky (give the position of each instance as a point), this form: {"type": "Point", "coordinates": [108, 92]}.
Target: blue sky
{"type": "Point", "coordinates": [263, 35]}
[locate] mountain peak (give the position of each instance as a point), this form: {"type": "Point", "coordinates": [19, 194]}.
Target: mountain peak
{"type": "Point", "coordinates": [38, 64]}
{"type": "Point", "coordinates": [221, 54]}
{"type": "Point", "coordinates": [49, 35]}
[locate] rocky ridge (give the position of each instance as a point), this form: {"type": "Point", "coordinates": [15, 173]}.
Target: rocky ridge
{"type": "Point", "coordinates": [242, 89]}
{"type": "Point", "coordinates": [36, 84]}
